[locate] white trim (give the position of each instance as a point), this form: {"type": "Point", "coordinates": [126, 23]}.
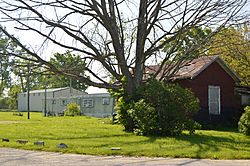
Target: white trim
{"type": "Point", "coordinates": [210, 87]}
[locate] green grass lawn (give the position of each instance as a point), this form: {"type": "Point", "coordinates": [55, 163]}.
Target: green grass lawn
{"type": "Point", "coordinates": [85, 135]}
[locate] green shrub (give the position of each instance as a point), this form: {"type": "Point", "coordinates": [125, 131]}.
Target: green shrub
{"type": "Point", "coordinates": [124, 115]}
{"type": "Point", "coordinates": [244, 123]}
{"type": "Point", "coordinates": [158, 109]}
{"type": "Point", "coordinates": [72, 109]}
{"type": "Point", "coordinates": [145, 117]}
{"type": "Point", "coordinates": [174, 108]}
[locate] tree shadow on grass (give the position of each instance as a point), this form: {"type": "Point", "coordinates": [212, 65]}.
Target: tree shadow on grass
{"type": "Point", "coordinates": [203, 145]}
{"type": "Point", "coordinates": [215, 144]}
{"type": "Point", "coordinates": [77, 137]}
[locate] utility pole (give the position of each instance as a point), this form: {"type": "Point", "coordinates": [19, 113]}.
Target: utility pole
{"type": "Point", "coordinates": [70, 86]}
{"type": "Point", "coordinates": [28, 91]}
{"type": "Point", "coordinates": [70, 89]}
{"type": "Point", "coordinates": [45, 99]}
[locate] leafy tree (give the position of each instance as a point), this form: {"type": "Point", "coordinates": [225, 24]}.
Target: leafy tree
{"type": "Point", "coordinates": [3, 103]}
{"type": "Point", "coordinates": [40, 76]}
{"type": "Point", "coordinates": [6, 61]}
{"type": "Point", "coordinates": [69, 63]}
{"type": "Point", "coordinates": [233, 46]}
{"type": "Point", "coordinates": [13, 70]}
{"type": "Point", "coordinates": [22, 69]}
{"type": "Point", "coordinates": [13, 95]}
{"type": "Point", "coordinates": [192, 42]}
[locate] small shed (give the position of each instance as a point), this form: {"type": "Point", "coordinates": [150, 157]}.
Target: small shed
{"type": "Point", "coordinates": [244, 92]}
{"type": "Point", "coordinates": [213, 83]}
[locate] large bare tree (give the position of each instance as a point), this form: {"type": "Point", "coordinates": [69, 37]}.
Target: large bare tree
{"type": "Point", "coordinates": [121, 36]}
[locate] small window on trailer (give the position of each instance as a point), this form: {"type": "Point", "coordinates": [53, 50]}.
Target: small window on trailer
{"type": "Point", "coordinates": [64, 102]}
{"type": "Point", "coordinates": [87, 103]}
{"type": "Point", "coordinates": [53, 101]}
{"type": "Point", "coordinates": [105, 101]}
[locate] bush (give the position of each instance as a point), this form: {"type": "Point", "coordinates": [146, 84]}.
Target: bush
{"type": "Point", "coordinates": [145, 117]}
{"type": "Point", "coordinates": [3, 103]}
{"type": "Point", "coordinates": [174, 107]}
{"type": "Point", "coordinates": [72, 109]}
{"type": "Point", "coordinates": [159, 109]}
{"type": "Point", "coordinates": [244, 123]}
{"type": "Point", "coordinates": [124, 115]}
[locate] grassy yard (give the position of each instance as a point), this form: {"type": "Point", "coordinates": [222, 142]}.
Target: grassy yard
{"type": "Point", "coordinates": [85, 135]}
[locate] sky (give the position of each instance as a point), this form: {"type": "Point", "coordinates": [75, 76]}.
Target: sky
{"type": "Point", "coordinates": [34, 40]}
{"type": "Point", "coordinates": [92, 90]}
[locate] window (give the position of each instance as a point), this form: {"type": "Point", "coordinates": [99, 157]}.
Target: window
{"type": "Point", "coordinates": [214, 100]}
{"type": "Point", "coordinates": [53, 101]}
{"type": "Point", "coordinates": [24, 95]}
{"type": "Point", "coordinates": [64, 102]}
{"type": "Point", "coordinates": [39, 94]}
{"type": "Point", "coordinates": [88, 103]}
{"type": "Point", "coordinates": [34, 94]}
{"type": "Point", "coordinates": [105, 101]}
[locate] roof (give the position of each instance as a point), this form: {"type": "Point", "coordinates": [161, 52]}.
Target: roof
{"type": "Point", "coordinates": [243, 89]}
{"type": "Point", "coordinates": [96, 95]}
{"type": "Point", "coordinates": [191, 69]}
{"type": "Point", "coordinates": [48, 90]}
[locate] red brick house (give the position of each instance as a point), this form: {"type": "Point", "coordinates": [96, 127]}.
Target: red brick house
{"type": "Point", "coordinates": [213, 82]}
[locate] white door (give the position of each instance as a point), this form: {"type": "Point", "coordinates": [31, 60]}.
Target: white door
{"type": "Point", "coordinates": [214, 100]}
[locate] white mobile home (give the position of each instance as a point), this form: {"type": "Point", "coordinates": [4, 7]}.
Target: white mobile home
{"type": "Point", "coordinates": [37, 97]}
{"type": "Point", "coordinates": [97, 105]}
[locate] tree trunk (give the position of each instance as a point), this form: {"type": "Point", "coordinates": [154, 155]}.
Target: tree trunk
{"type": "Point", "coordinates": [130, 88]}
